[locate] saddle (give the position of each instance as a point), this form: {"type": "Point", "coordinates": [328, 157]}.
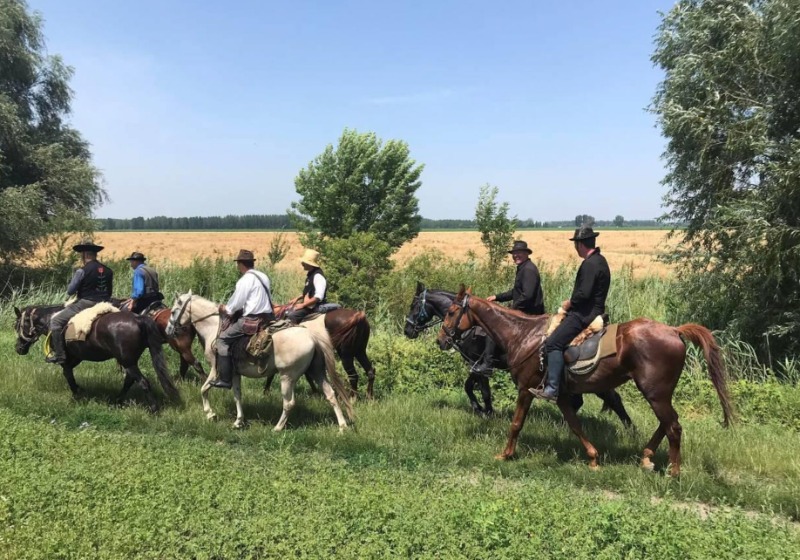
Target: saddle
{"type": "Point", "coordinates": [153, 309]}
{"type": "Point", "coordinates": [582, 358]}
{"type": "Point", "coordinates": [258, 348]}
{"type": "Point", "coordinates": [80, 325]}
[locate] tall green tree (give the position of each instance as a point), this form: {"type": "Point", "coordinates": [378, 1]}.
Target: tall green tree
{"type": "Point", "coordinates": [729, 107]}
{"type": "Point", "coordinates": [47, 181]}
{"type": "Point", "coordinates": [496, 226]}
{"type": "Point", "coordinates": [360, 185]}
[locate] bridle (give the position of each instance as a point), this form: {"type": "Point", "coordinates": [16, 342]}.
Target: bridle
{"type": "Point", "coordinates": [177, 327]}
{"type": "Point", "coordinates": [423, 320]}
{"type": "Point", "coordinates": [22, 334]}
{"type": "Point", "coordinates": [452, 333]}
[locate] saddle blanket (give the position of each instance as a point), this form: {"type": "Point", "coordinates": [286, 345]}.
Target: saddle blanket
{"type": "Point", "coordinates": [259, 346]}
{"type": "Point", "coordinates": [80, 325]}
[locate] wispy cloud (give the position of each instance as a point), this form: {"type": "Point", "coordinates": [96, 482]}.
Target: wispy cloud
{"type": "Point", "coordinates": [413, 98]}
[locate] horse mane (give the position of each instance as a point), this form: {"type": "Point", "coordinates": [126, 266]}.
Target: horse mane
{"type": "Point", "coordinates": [202, 302]}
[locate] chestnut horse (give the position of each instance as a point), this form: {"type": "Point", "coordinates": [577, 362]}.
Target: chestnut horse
{"type": "Point", "coordinates": [651, 353]}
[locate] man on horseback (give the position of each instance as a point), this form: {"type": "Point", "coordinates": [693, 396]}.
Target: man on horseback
{"type": "Point", "coordinates": [587, 302]}
{"type": "Point", "coordinates": [91, 284]}
{"type": "Point", "coordinates": [526, 296]}
{"type": "Point", "coordinates": [250, 301]}
{"type": "Point", "coordinates": [314, 290]}
{"type": "Point", "coordinates": [145, 285]}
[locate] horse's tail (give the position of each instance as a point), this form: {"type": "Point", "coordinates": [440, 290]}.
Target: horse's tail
{"type": "Point", "coordinates": [154, 342]}
{"type": "Point", "coordinates": [342, 392]}
{"type": "Point", "coordinates": [355, 329]}
{"type": "Point", "coordinates": [702, 337]}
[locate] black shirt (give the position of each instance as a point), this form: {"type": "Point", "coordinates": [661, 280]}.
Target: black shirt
{"type": "Point", "coordinates": [526, 295]}
{"type": "Point", "coordinates": [591, 287]}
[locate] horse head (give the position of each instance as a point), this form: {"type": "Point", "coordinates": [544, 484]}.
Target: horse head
{"type": "Point", "coordinates": [31, 323]}
{"type": "Point", "coordinates": [419, 314]}
{"type": "Point", "coordinates": [456, 320]}
{"type": "Point", "coordinates": [178, 316]}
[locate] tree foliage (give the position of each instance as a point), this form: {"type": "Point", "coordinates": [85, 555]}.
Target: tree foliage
{"type": "Point", "coordinates": [355, 266]}
{"type": "Point", "coordinates": [729, 107]}
{"type": "Point", "coordinates": [584, 220]}
{"type": "Point", "coordinates": [619, 220]}
{"type": "Point", "coordinates": [361, 185]}
{"type": "Point", "coordinates": [47, 181]}
{"type": "Point", "coordinates": [496, 227]}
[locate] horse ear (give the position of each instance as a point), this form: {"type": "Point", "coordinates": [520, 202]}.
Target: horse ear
{"type": "Point", "coordinates": [190, 294]}
{"type": "Point", "coordinates": [177, 296]}
{"type": "Point", "coordinates": [461, 291]}
{"type": "Point", "coordinates": [420, 287]}
{"type": "Point", "coordinates": [17, 311]}
{"type": "Point", "coordinates": [469, 290]}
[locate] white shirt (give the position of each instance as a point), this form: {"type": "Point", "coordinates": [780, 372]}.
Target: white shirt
{"type": "Point", "coordinates": [320, 285]}
{"type": "Point", "coordinates": [250, 295]}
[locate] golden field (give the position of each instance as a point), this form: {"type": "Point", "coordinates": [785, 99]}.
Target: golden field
{"type": "Point", "coordinates": [637, 248]}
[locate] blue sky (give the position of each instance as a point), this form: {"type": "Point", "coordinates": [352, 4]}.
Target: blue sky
{"type": "Point", "coordinates": [207, 108]}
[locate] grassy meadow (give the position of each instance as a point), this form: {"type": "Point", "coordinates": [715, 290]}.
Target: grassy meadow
{"type": "Point", "coordinates": [413, 477]}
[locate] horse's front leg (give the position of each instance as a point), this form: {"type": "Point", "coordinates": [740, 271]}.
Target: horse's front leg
{"type": "Point", "coordinates": [67, 370]}
{"type": "Point", "coordinates": [210, 414]}
{"type": "Point", "coordinates": [524, 398]}
{"type": "Point", "coordinates": [469, 389]}
{"type": "Point", "coordinates": [572, 419]}
{"type": "Point", "coordinates": [486, 393]}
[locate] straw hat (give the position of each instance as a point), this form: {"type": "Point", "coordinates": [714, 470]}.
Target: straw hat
{"type": "Point", "coordinates": [311, 258]}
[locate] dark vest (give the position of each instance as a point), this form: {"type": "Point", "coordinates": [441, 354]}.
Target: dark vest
{"type": "Point", "coordinates": [97, 282]}
{"type": "Point", "coordinates": [308, 289]}
{"type": "Point", "coordinates": [150, 280]}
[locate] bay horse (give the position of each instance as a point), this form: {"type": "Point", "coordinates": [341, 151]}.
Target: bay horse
{"type": "Point", "coordinates": [296, 351]}
{"type": "Point", "coordinates": [650, 353]}
{"type": "Point", "coordinates": [428, 308]}
{"type": "Point", "coordinates": [181, 341]}
{"type": "Point", "coordinates": [349, 332]}
{"type": "Point", "coordinates": [120, 336]}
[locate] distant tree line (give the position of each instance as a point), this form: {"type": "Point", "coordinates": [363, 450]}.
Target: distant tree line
{"type": "Point", "coordinates": [282, 221]}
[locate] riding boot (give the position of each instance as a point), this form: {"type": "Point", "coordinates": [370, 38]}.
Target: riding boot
{"type": "Point", "coordinates": [486, 365]}
{"type": "Point", "coordinates": [57, 353]}
{"type": "Point", "coordinates": [555, 369]}
{"type": "Point", "coordinates": [224, 373]}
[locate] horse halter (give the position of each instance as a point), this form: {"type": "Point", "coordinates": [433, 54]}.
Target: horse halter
{"type": "Point", "coordinates": [423, 319]}
{"type": "Point", "coordinates": [32, 335]}
{"type": "Point", "coordinates": [452, 333]}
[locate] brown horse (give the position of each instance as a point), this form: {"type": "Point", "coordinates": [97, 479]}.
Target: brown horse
{"type": "Point", "coordinates": [652, 354]}
{"type": "Point", "coordinates": [349, 332]}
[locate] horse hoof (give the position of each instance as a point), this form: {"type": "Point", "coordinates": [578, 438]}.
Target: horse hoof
{"type": "Point", "coordinates": [238, 425]}
{"type": "Point", "coordinates": [277, 429]}
{"type": "Point", "coordinates": [502, 457]}
{"type": "Point", "coordinates": [648, 465]}
{"type": "Point", "coordinates": [212, 417]}
{"type": "Point", "coordinates": [594, 467]}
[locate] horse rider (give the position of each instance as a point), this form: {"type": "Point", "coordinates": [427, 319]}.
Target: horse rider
{"type": "Point", "coordinates": [314, 290]}
{"type": "Point", "coordinates": [526, 296]}
{"type": "Point", "coordinates": [91, 284]}
{"type": "Point", "coordinates": [587, 302]}
{"type": "Point", "coordinates": [145, 285]}
{"type": "Point", "coordinates": [251, 301]}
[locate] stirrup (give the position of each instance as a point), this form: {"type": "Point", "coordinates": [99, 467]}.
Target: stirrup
{"type": "Point", "coordinates": [540, 393]}
{"type": "Point", "coordinates": [220, 384]}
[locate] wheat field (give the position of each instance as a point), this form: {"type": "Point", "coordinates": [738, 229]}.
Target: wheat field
{"type": "Point", "coordinates": [635, 248]}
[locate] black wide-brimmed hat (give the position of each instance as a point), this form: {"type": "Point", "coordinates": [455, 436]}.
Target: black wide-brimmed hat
{"type": "Point", "coordinates": [87, 245]}
{"type": "Point", "coordinates": [520, 246]}
{"type": "Point", "coordinates": [136, 256]}
{"type": "Point", "coordinates": [245, 255]}
{"type": "Point", "coordinates": [583, 232]}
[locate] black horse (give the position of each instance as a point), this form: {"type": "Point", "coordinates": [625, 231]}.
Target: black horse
{"type": "Point", "coordinates": [429, 307]}
{"type": "Point", "coordinates": [122, 336]}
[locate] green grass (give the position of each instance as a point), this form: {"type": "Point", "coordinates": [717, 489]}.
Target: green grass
{"type": "Point", "coordinates": [415, 477]}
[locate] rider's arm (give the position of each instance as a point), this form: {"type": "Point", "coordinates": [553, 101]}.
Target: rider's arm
{"type": "Point", "coordinates": [239, 297]}
{"type": "Point", "coordinates": [75, 282]}
{"type": "Point", "coordinates": [584, 283]}
{"type": "Point", "coordinates": [529, 286]}
{"type": "Point", "coordinates": [505, 296]}
{"type": "Point", "coordinates": [138, 284]}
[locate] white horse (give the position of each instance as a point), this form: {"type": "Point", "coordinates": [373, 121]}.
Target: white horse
{"type": "Point", "coordinates": [296, 351]}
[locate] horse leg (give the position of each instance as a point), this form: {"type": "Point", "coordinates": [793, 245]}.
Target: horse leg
{"type": "Point", "coordinates": [486, 393]}
{"type": "Point", "coordinates": [669, 426]}
{"type": "Point", "coordinates": [524, 398]}
{"type": "Point", "coordinates": [236, 387]}
{"type": "Point", "coordinates": [650, 448]}
{"type": "Point", "coordinates": [210, 414]}
{"type": "Point", "coordinates": [613, 401]}
{"type": "Point", "coordinates": [469, 388]}
{"type": "Point", "coordinates": [576, 401]}
{"type": "Point", "coordinates": [126, 385]}
{"type": "Point", "coordinates": [183, 368]}
{"type": "Point", "coordinates": [70, 377]}
{"type": "Point", "coordinates": [571, 416]}
{"type": "Point", "coordinates": [268, 382]}
{"type": "Point", "coordinates": [287, 392]}
{"type": "Point", "coordinates": [136, 374]}
{"type": "Point", "coordinates": [329, 393]}
{"type": "Point", "coordinates": [365, 362]}
{"type": "Point", "coordinates": [350, 368]}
